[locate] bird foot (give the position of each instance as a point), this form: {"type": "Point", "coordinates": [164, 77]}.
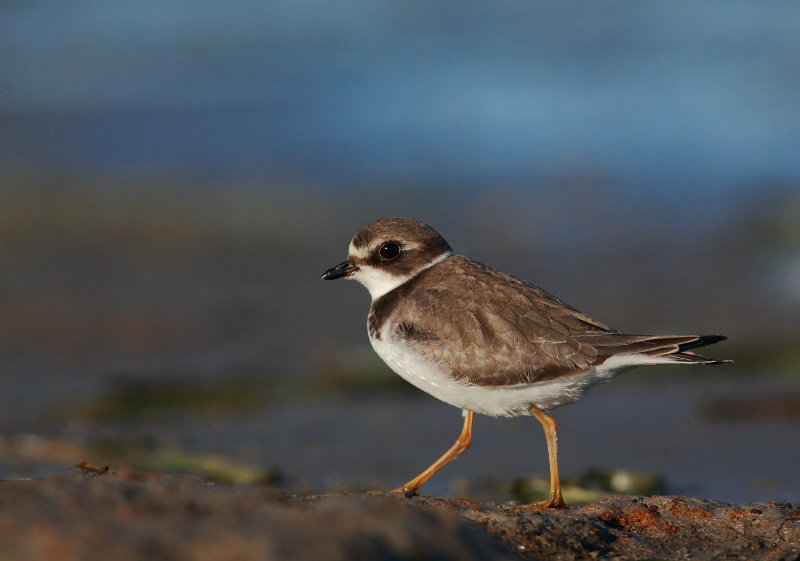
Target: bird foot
{"type": "Point", "coordinates": [405, 491]}
{"type": "Point", "coordinates": [544, 505]}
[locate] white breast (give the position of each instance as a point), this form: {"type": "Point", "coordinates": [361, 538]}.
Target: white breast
{"type": "Point", "coordinates": [506, 401]}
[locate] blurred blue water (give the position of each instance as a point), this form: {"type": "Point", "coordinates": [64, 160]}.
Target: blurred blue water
{"type": "Point", "coordinates": [702, 96]}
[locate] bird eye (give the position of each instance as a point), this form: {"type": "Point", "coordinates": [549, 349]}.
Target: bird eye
{"type": "Point", "coordinates": [389, 251]}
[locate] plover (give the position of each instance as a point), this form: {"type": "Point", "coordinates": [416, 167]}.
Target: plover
{"type": "Point", "coordinates": [485, 341]}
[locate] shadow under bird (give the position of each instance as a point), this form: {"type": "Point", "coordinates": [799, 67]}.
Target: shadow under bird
{"type": "Point", "coordinates": [487, 342]}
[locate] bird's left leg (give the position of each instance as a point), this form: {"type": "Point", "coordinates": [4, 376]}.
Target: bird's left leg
{"type": "Point", "coordinates": [458, 447]}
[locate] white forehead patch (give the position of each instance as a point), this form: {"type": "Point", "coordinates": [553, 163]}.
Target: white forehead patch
{"type": "Point", "coordinates": [361, 252]}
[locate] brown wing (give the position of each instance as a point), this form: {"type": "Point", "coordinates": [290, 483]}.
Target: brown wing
{"type": "Point", "coordinates": [492, 329]}
{"type": "Point", "coordinates": [489, 328]}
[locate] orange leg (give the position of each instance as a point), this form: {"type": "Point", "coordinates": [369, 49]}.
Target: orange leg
{"type": "Point", "coordinates": [460, 445]}
{"type": "Point", "coordinates": [555, 500]}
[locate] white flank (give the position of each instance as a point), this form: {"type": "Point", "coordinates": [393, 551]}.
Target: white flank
{"type": "Point", "coordinates": [499, 401]}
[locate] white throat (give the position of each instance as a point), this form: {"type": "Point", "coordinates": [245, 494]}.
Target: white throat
{"type": "Point", "coordinates": [379, 282]}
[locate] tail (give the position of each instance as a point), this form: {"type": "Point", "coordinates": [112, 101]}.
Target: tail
{"type": "Point", "coordinates": [700, 341]}
{"type": "Point", "coordinates": [669, 348]}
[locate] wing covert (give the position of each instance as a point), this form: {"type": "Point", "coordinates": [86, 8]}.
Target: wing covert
{"type": "Point", "coordinates": [493, 333]}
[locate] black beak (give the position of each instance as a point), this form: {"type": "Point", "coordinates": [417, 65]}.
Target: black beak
{"type": "Point", "coordinates": [343, 269]}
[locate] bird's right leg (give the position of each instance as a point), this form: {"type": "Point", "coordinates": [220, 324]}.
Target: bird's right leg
{"type": "Point", "coordinates": [555, 500]}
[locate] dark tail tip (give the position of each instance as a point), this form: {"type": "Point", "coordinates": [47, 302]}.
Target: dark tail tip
{"type": "Point", "coordinates": [702, 341]}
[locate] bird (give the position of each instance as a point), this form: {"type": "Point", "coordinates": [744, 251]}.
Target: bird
{"type": "Point", "coordinates": [487, 342]}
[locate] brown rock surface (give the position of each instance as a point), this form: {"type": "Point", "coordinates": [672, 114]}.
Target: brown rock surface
{"type": "Point", "coordinates": [135, 517]}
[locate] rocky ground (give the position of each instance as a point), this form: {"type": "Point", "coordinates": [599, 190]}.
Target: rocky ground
{"type": "Point", "coordinates": [135, 516]}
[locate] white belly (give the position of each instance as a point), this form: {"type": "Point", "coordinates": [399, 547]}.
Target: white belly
{"type": "Point", "coordinates": [506, 401]}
